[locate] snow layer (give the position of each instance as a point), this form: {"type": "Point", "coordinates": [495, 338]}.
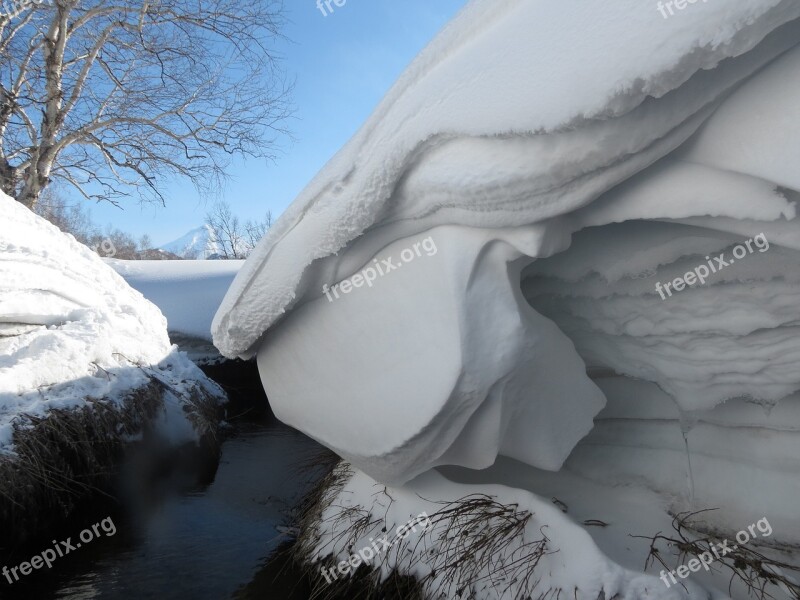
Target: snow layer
{"type": "Point", "coordinates": [188, 292]}
{"type": "Point", "coordinates": [738, 457]}
{"type": "Point", "coordinates": [583, 152]}
{"type": "Point", "coordinates": [448, 152]}
{"type": "Point", "coordinates": [464, 137]}
{"type": "Point", "coordinates": [443, 398]}
{"type": "Point", "coordinates": [572, 563]}
{"type": "Point", "coordinates": [71, 329]}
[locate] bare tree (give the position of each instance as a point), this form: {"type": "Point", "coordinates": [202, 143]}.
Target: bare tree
{"type": "Point", "coordinates": [191, 253]}
{"type": "Point", "coordinates": [255, 230]}
{"type": "Point", "coordinates": [145, 243]}
{"type": "Point", "coordinates": [69, 217]}
{"type": "Point", "coordinates": [234, 240]}
{"type": "Point", "coordinates": [227, 231]}
{"type": "Point", "coordinates": [75, 219]}
{"type": "Point", "coordinates": [115, 97]}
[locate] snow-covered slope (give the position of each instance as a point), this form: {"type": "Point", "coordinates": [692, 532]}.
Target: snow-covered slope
{"type": "Point", "coordinates": [199, 243]}
{"type": "Point", "coordinates": [566, 161]}
{"type": "Point", "coordinates": [188, 292]}
{"type": "Point", "coordinates": [72, 330]}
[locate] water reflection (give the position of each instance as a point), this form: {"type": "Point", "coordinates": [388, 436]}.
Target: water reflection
{"type": "Point", "coordinates": [202, 544]}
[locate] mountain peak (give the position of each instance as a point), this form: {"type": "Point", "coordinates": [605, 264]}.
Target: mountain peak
{"type": "Point", "coordinates": [198, 243]}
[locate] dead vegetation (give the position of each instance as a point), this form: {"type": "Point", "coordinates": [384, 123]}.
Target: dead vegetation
{"type": "Point", "coordinates": [470, 544]}
{"type": "Point", "coordinates": [481, 543]}
{"type": "Point", "coordinates": [759, 573]}
{"type": "Point", "coordinates": [70, 456]}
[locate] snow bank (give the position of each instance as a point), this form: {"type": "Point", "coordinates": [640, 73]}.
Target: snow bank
{"type": "Point", "coordinates": [517, 112]}
{"type": "Point", "coordinates": [188, 292]}
{"type": "Point", "coordinates": [71, 329]}
{"type": "Point", "coordinates": [504, 168]}
{"type": "Point", "coordinates": [485, 540]}
{"type": "Point", "coordinates": [442, 398]}
{"type": "Point", "coordinates": [569, 161]}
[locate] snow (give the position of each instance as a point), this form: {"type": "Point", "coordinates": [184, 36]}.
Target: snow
{"type": "Point", "coordinates": [188, 292]}
{"type": "Point", "coordinates": [566, 158]}
{"type": "Point", "coordinates": [591, 111]}
{"type": "Point", "coordinates": [199, 244]}
{"type": "Point", "coordinates": [439, 393]}
{"type": "Point", "coordinates": [743, 458]}
{"type": "Point", "coordinates": [71, 329]}
{"type": "Point", "coordinates": [573, 560]}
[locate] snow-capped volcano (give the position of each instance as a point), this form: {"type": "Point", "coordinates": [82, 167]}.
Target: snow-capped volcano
{"type": "Point", "coordinates": [199, 243]}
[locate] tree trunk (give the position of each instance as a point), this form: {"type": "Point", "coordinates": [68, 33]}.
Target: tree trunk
{"type": "Point", "coordinates": [29, 195]}
{"type": "Point", "coordinates": [36, 179]}
{"type": "Point", "coordinates": [8, 179]}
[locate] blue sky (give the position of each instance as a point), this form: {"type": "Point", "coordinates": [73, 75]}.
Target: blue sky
{"type": "Point", "coordinates": [342, 66]}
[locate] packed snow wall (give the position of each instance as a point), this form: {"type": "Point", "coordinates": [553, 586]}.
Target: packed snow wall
{"type": "Point", "coordinates": [516, 236]}
{"type": "Point", "coordinates": [73, 333]}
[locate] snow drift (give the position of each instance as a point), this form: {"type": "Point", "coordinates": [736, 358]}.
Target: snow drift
{"type": "Point", "coordinates": [187, 292]}
{"type": "Point", "coordinates": [566, 159]}
{"type": "Point", "coordinates": [72, 331]}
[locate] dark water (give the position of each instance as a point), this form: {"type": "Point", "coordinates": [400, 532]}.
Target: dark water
{"type": "Point", "coordinates": [210, 542]}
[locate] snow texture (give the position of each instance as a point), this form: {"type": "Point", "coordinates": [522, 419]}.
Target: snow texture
{"type": "Point", "coordinates": [565, 158]}
{"type": "Point", "coordinates": [71, 329]}
{"type": "Point", "coordinates": [575, 559]}
{"type": "Point", "coordinates": [500, 169]}
{"type": "Point", "coordinates": [188, 292]}
{"type": "Point", "coordinates": [517, 112]}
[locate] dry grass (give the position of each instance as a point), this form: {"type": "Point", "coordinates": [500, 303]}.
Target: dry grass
{"type": "Point", "coordinates": [470, 544]}
{"type": "Point", "coordinates": [759, 573]}
{"type": "Point", "coordinates": [70, 456]}
{"type": "Point", "coordinates": [481, 543]}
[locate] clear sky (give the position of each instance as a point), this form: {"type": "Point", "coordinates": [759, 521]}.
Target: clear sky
{"type": "Point", "coordinates": [342, 65]}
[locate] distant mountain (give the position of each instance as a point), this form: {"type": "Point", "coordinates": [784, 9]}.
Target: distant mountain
{"type": "Point", "coordinates": [199, 243]}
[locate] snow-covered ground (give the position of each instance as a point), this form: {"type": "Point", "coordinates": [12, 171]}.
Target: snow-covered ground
{"type": "Point", "coordinates": [188, 292]}
{"type": "Point", "coordinates": [72, 330]}
{"type": "Point", "coordinates": [568, 160]}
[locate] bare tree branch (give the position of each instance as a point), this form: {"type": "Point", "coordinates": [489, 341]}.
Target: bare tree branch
{"type": "Point", "coordinates": [116, 98]}
{"type": "Point", "coordinates": [234, 240]}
